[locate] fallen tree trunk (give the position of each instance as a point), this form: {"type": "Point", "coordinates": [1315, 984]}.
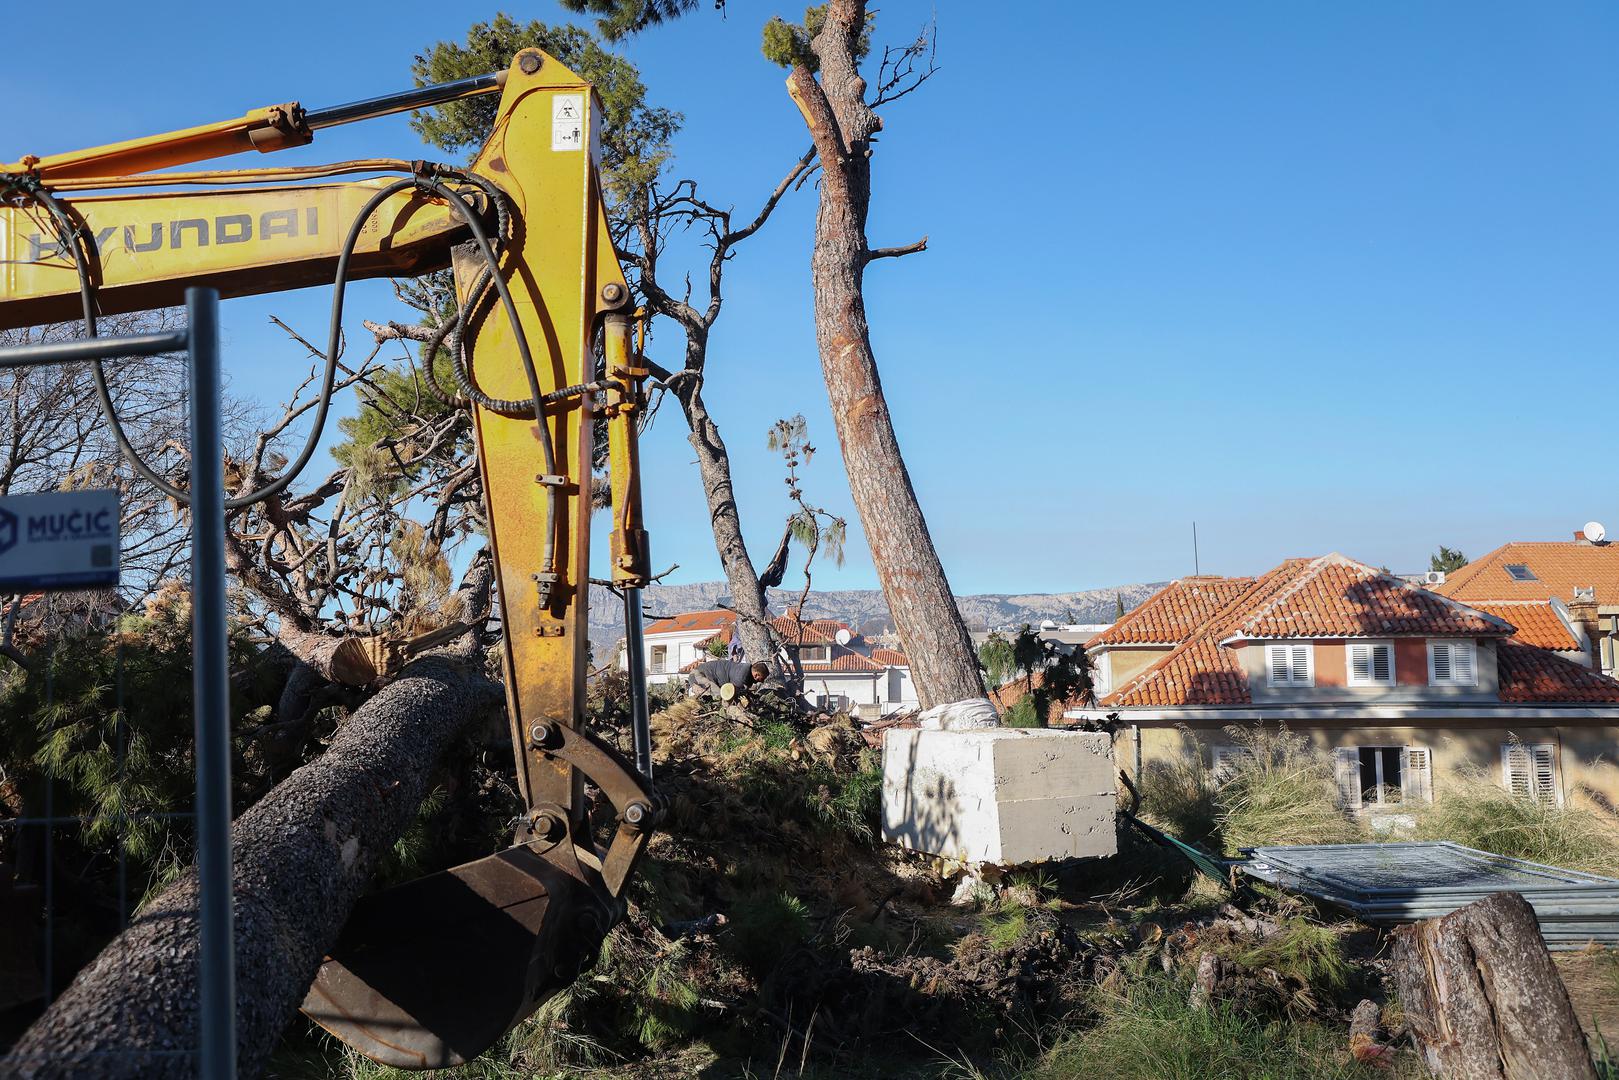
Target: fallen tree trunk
{"type": "Point", "coordinates": [1484, 999]}
{"type": "Point", "coordinates": [303, 855]}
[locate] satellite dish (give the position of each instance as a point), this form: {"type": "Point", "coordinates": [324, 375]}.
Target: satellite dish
{"type": "Point", "coordinates": [1594, 532]}
{"type": "Point", "coordinates": [843, 637]}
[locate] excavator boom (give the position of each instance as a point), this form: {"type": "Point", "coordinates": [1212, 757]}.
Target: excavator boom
{"type": "Point", "coordinates": [430, 974]}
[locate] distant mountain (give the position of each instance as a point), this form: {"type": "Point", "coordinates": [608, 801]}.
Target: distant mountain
{"type": "Point", "coordinates": [860, 607]}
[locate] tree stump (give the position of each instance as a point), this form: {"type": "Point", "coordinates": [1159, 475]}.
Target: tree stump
{"type": "Point", "coordinates": [1483, 998]}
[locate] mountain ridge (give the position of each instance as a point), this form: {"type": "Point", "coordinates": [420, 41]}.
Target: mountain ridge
{"type": "Point", "coordinates": [858, 607]}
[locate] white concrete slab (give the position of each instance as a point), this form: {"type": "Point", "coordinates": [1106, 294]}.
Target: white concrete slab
{"type": "Point", "coordinates": [1006, 796]}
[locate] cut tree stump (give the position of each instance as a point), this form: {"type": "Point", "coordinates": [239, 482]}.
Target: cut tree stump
{"type": "Point", "coordinates": [1483, 998]}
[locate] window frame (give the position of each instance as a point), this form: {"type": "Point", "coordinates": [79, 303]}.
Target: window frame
{"type": "Point", "coordinates": [1433, 675]}
{"type": "Point", "coordinates": [1416, 776]}
{"type": "Point", "coordinates": [657, 665]}
{"type": "Point", "coordinates": [1533, 779]}
{"type": "Point", "coordinates": [1292, 680]}
{"type": "Point", "coordinates": [1371, 664]}
{"type": "Point", "coordinates": [812, 654]}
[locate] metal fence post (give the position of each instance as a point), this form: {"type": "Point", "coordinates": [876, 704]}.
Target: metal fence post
{"type": "Point", "coordinates": [635, 658]}
{"type": "Point", "coordinates": [211, 692]}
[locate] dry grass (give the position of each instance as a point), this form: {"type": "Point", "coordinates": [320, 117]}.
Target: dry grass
{"type": "Point", "coordinates": [1473, 810]}
{"type": "Point", "coordinates": [1281, 792]}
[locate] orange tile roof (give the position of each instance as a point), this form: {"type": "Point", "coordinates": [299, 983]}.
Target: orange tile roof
{"type": "Point", "coordinates": [1200, 671]}
{"type": "Point", "coordinates": [1538, 622]}
{"type": "Point", "coordinates": [1297, 600]}
{"type": "Point", "coordinates": [815, 631]}
{"type": "Point", "coordinates": [891, 657]}
{"type": "Point", "coordinates": [1559, 566]}
{"type": "Point", "coordinates": [849, 661]}
{"type": "Point", "coordinates": [1016, 690]}
{"type": "Point", "coordinates": [1169, 616]}
{"type": "Point", "coordinates": [1337, 597]}
{"type": "Point", "coordinates": [1531, 675]}
{"type": "Point", "coordinates": [713, 619]}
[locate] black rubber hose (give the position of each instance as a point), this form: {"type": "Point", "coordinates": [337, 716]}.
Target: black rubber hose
{"type": "Point", "coordinates": [71, 235]}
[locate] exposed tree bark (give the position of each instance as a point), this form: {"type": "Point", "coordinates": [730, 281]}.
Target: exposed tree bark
{"type": "Point", "coordinates": [303, 855]}
{"type": "Point", "coordinates": [1483, 998]}
{"type": "Point", "coordinates": [714, 466]}
{"type": "Point", "coordinates": [647, 214]}
{"type": "Point", "coordinates": [913, 580]}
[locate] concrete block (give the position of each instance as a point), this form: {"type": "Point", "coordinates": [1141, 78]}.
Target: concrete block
{"type": "Point", "coordinates": [1006, 796]}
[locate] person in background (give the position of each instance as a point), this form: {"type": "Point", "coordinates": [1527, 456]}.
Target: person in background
{"type": "Point", "coordinates": [711, 678]}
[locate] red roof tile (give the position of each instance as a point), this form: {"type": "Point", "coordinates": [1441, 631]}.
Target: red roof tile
{"type": "Point", "coordinates": [1337, 597]}
{"type": "Point", "coordinates": [713, 619]}
{"type": "Point", "coordinates": [1538, 622]}
{"type": "Point", "coordinates": [1559, 567]}
{"type": "Point", "coordinates": [848, 661]}
{"type": "Point", "coordinates": [891, 657]}
{"type": "Point", "coordinates": [1531, 675]}
{"type": "Point", "coordinates": [1169, 616]}
{"type": "Point", "coordinates": [1200, 671]}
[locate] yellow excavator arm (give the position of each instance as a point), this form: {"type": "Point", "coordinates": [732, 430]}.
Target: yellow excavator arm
{"type": "Point", "coordinates": [429, 974]}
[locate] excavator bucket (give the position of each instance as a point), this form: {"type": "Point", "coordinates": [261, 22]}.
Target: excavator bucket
{"type": "Point", "coordinates": [431, 973]}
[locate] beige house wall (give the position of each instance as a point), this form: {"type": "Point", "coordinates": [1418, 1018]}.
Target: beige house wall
{"type": "Point", "coordinates": [1128, 663]}
{"type": "Point", "coordinates": [1587, 761]}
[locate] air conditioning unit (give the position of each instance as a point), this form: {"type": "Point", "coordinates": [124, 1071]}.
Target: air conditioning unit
{"type": "Point", "coordinates": [1434, 577]}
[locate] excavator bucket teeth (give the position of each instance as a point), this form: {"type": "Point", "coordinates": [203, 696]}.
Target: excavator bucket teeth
{"type": "Point", "coordinates": [431, 973]}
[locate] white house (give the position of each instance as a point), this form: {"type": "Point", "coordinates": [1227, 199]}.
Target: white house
{"type": "Point", "coordinates": [841, 670]}
{"type": "Point", "coordinates": [672, 644]}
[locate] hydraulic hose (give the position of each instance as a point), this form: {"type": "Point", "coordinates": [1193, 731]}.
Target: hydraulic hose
{"type": "Point", "coordinates": [72, 237]}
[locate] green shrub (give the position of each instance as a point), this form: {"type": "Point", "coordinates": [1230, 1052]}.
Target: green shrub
{"type": "Point", "coordinates": [1023, 714]}
{"type": "Point", "coordinates": [1282, 791]}
{"type": "Point", "coordinates": [764, 928]}
{"type": "Point", "coordinates": [1305, 950]}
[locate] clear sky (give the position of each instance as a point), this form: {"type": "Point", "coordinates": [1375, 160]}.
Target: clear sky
{"type": "Point", "coordinates": [1318, 277]}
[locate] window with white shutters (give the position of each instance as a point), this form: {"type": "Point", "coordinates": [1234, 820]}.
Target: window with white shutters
{"type": "Point", "coordinates": [1291, 664]}
{"type": "Point", "coordinates": [1228, 759]}
{"type": "Point", "coordinates": [1371, 663]}
{"type": "Point", "coordinates": [1418, 774]}
{"type": "Point", "coordinates": [1452, 663]}
{"type": "Point", "coordinates": [1383, 776]}
{"type": "Point", "coordinates": [660, 659]}
{"type": "Point", "coordinates": [1346, 768]}
{"type": "Point", "coordinates": [1529, 770]}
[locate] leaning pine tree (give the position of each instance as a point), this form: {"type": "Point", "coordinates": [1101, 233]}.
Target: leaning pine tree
{"type": "Point", "coordinates": [831, 43]}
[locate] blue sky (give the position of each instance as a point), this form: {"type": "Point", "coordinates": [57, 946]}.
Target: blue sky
{"type": "Point", "coordinates": [1318, 277]}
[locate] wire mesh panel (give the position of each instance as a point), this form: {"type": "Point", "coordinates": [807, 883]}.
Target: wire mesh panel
{"type": "Point", "coordinates": [71, 883]}
{"type": "Point", "coordinates": [83, 788]}
{"type": "Point", "coordinates": [1402, 882]}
